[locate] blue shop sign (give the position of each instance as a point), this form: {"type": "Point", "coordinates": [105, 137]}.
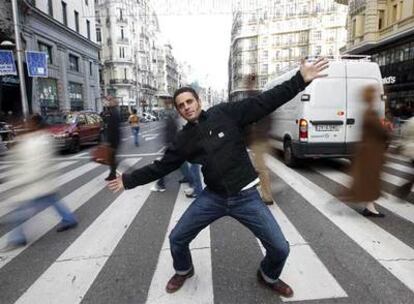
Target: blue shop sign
{"type": "Point", "coordinates": [36, 64]}
{"type": "Point", "coordinates": [7, 65]}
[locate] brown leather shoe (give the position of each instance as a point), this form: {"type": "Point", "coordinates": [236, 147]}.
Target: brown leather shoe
{"type": "Point", "coordinates": [279, 287]}
{"type": "Point", "coordinates": [177, 281]}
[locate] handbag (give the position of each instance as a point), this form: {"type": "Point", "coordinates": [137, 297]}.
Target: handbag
{"type": "Point", "coordinates": [102, 154]}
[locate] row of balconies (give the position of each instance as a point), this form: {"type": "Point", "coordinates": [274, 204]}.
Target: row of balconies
{"type": "Point", "coordinates": [122, 81]}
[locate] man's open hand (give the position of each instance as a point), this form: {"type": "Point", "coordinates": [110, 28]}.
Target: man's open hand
{"type": "Point", "coordinates": [313, 70]}
{"type": "Point", "coordinates": [116, 185]}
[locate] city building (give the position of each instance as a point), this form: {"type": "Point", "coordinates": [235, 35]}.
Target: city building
{"type": "Point", "coordinates": [270, 37]}
{"type": "Point", "coordinates": [385, 30]}
{"type": "Point", "coordinates": [65, 30]}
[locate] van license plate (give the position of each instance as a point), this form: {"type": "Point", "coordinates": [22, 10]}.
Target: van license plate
{"type": "Point", "coordinates": [325, 128]}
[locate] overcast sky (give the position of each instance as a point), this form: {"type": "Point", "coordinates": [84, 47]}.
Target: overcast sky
{"type": "Point", "coordinates": [200, 34]}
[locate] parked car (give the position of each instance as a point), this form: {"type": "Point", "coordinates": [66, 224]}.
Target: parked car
{"type": "Point", "coordinates": [73, 129]}
{"type": "Point", "coordinates": [325, 119]}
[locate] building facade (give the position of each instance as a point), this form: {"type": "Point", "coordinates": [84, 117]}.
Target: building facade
{"type": "Point", "coordinates": [270, 37]}
{"type": "Point", "coordinates": [65, 30]}
{"type": "Point", "coordinates": [137, 65]}
{"type": "Point", "coordinates": [385, 30]}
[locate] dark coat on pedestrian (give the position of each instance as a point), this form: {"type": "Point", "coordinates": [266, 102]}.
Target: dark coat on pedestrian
{"type": "Point", "coordinates": [369, 159]}
{"type": "Point", "coordinates": [113, 127]}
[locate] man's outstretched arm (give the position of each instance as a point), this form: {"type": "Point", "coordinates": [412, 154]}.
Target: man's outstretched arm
{"type": "Point", "coordinates": [170, 162]}
{"type": "Point", "coordinates": [254, 108]}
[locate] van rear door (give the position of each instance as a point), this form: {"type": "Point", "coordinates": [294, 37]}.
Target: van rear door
{"type": "Point", "coordinates": [359, 75]}
{"type": "Point", "coordinates": [326, 110]}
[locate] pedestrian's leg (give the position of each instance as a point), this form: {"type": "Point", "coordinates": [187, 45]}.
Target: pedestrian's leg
{"type": "Point", "coordinates": [67, 216]}
{"type": "Point", "coordinates": [113, 164]}
{"type": "Point", "coordinates": [201, 213]}
{"type": "Point", "coordinates": [195, 174]}
{"type": "Point", "coordinates": [259, 150]}
{"type": "Point", "coordinates": [249, 209]}
{"type": "Point", "coordinates": [137, 137]}
{"type": "Point", "coordinates": [185, 171]}
{"type": "Point", "coordinates": [161, 183]}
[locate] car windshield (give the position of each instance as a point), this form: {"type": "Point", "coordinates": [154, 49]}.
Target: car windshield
{"type": "Point", "coordinates": [60, 119]}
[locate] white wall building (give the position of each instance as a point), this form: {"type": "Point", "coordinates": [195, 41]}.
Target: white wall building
{"type": "Point", "coordinates": [270, 36]}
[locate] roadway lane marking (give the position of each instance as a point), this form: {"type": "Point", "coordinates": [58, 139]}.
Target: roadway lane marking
{"type": "Point", "coordinates": [10, 204]}
{"type": "Point", "coordinates": [68, 279]}
{"type": "Point", "coordinates": [58, 167]}
{"type": "Point", "coordinates": [198, 289]}
{"type": "Point", "coordinates": [399, 167]}
{"type": "Point", "coordinates": [9, 184]}
{"type": "Point", "coordinates": [390, 252]}
{"type": "Point", "coordinates": [395, 205]}
{"type": "Point", "coordinates": [303, 269]}
{"type": "Point", "coordinates": [42, 222]}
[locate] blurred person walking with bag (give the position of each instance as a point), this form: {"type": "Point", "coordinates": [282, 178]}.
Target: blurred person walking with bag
{"type": "Point", "coordinates": [33, 178]}
{"type": "Point", "coordinates": [406, 148]}
{"type": "Point", "coordinates": [369, 158]}
{"type": "Point", "coordinates": [113, 134]}
{"type": "Point", "coordinates": [133, 121]}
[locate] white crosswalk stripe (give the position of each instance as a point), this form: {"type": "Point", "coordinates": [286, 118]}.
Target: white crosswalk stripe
{"type": "Point", "coordinates": [75, 270]}
{"type": "Point", "coordinates": [394, 255]}
{"type": "Point", "coordinates": [303, 269]}
{"type": "Point", "coordinates": [68, 278]}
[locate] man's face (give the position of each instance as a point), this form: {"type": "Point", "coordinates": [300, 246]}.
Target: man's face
{"type": "Point", "coordinates": [188, 106]}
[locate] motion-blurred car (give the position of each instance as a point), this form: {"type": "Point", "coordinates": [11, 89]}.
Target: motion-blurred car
{"type": "Point", "coordinates": [73, 129]}
{"type": "Point", "coordinates": [149, 117]}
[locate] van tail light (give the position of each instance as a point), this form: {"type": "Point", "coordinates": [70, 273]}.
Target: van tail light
{"type": "Point", "coordinates": [303, 130]}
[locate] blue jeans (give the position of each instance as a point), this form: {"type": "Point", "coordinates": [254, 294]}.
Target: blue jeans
{"type": "Point", "coordinates": [27, 210]}
{"type": "Point", "coordinates": [196, 179]}
{"type": "Point", "coordinates": [246, 207]}
{"type": "Point", "coordinates": [135, 132]}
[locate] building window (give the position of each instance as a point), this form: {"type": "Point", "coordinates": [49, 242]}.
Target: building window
{"type": "Point", "coordinates": [50, 7]}
{"type": "Point", "coordinates": [98, 35]}
{"type": "Point", "coordinates": [76, 21]}
{"type": "Point", "coordinates": [64, 13]}
{"type": "Point", "coordinates": [73, 63]}
{"type": "Point", "coordinates": [122, 33]}
{"type": "Point", "coordinates": [394, 13]}
{"type": "Point", "coordinates": [48, 50]}
{"type": "Point", "coordinates": [381, 19]}
{"type": "Point", "coordinates": [88, 29]}
{"type": "Point", "coordinates": [90, 68]}
{"type": "Point", "coordinates": [75, 96]}
{"type": "Point", "coordinates": [86, 2]}
{"type": "Point", "coordinates": [353, 28]}
{"type": "Point", "coordinates": [121, 17]}
{"type": "Point", "coordinates": [125, 74]}
{"type": "Point", "coordinates": [121, 52]}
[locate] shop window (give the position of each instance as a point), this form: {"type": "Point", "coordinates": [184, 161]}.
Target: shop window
{"type": "Point", "coordinates": [48, 94]}
{"type": "Point", "coordinates": [75, 96]}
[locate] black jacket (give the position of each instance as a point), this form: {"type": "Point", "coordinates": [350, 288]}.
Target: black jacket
{"type": "Point", "coordinates": [113, 127]}
{"type": "Point", "coordinates": [217, 142]}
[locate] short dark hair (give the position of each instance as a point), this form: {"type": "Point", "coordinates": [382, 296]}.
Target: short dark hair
{"type": "Point", "coordinates": [134, 111]}
{"type": "Point", "coordinates": [185, 90]}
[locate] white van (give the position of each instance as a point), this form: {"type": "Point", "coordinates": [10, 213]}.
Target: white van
{"type": "Point", "coordinates": [325, 120]}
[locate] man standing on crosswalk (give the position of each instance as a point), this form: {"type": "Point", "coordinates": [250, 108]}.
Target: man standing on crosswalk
{"type": "Point", "coordinates": [214, 139]}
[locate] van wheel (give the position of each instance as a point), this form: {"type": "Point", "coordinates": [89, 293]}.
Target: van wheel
{"type": "Point", "coordinates": [289, 158]}
{"type": "Point", "coordinates": [74, 145]}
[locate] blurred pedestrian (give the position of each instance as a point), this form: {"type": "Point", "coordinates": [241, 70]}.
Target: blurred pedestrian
{"type": "Point", "coordinates": [194, 180]}
{"type": "Point", "coordinates": [258, 141]}
{"type": "Point", "coordinates": [406, 148]}
{"type": "Point", "coordinates": [33, 179]}
{"type": "Point", "coordinates": [113, 134]}
{"type": "Point", "coordinates": [369, 159]}
{"type": "Point", "coordinates": [170, 131]}
{"type": "Point", "coordinates": [134, 123]}
{"type": "Point", "coordinates": [214, 139]}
